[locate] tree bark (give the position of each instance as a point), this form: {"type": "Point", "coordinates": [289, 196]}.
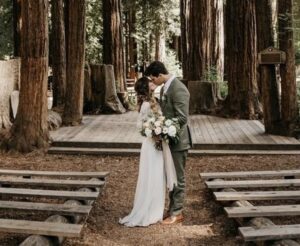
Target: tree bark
{"type": "Point", "coordinates": [241, 56]}
{"type": "Point", "coordinates": [17, 27]}
{"type": "Point", "coordinates": [30, 127]}
{"type": "Point", "coordinates": [218, 37]}
{"type": "Point", "coordinates": [105, 97]}
{"type": "Point", "coordinates": [184, 17]}
{"type": "Point", "coordinates": [289, 107]}
{"type": "Point", "coordinates": [59, 52]}
{"type": "Point", "coordinates": [199, 37]}
{"type": "Point", "coordinates": [73, 109]}
{"type": "Point", "coordinates": [132, 42]}
{"type": "Point", "coordinates": [266, 75]}
{"type": "Point", "coordinates": [160, 46]}
{"type": "Point", "coordinates": [113, 40]}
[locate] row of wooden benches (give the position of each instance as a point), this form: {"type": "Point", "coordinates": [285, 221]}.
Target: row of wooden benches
{"type": "Point", "coordinates": [264, 179]}
{"type": "Point", "coordinates": [62, 185]}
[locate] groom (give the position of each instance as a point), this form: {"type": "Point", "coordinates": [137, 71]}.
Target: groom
{"type": "Point", "coordinates": [174, 102]}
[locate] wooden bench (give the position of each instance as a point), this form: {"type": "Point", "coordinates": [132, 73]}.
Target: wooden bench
{"type": "Point", "coordinates": [224, 184]}
{"type": "Point", "coordinates": [270, 232]}
{"type": "Point", "coordinates": [62, 185]}
{"type": "Point", "coordinates": [262, 211]}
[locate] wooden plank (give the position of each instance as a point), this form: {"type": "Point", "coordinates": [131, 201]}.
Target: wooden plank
{"type": "Point", "coordinates": [270, 232]}
{"type": "Point", "coordinates": [64, 209]}
{"type": "Point", "coordinates": [40, 228]}
{"type": "Point", "coordinates": [51, 182]}
{"type": "Point", "coordinates": [257, 195]}
{"type": "Point", "coordinates": [78, 195]}
{"type": "Point", "coordinates": [262, 211]}
{"type": "Point", "coordinates": [53, 173]}
{"type": "Point", "coordinates": [252, 183]}
{"type": "Point", "coordinates": [221, 124]}
{"type": "Point", "coordinates": [218, 131]}
{"type": "Point", "coordinates": [250, 174]}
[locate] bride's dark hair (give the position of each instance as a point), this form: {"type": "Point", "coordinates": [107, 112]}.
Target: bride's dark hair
{"type": "Point", "coordinates": [143, 93]}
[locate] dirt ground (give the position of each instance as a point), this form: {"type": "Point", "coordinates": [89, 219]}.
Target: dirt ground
{"type": "Point", "coordinates": [205, 222]}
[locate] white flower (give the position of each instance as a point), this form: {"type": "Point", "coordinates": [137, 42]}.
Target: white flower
{"type": "Point", "coordinates": [157, 130]}
{"type": "Point", "coordinates": [168, 122]}
{"type": "Point", "coordinates": [157, 123]}
{"type": "Point", "coordinates": [148, 132]}
{"type": "Point", "coordinates": [165, 130]}
{"type": "Point", "coordinates": [172, 131]}
{"type": "Point", "coordinates": [152, 120]}
{"type": "Point", "coordinates": [161, 118]}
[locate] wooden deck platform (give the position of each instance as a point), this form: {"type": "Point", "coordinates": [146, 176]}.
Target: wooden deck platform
{"type": "Point", "coordinates": [210, 134]}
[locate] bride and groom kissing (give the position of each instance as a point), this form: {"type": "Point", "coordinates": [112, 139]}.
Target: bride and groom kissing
{"type": "Point", "coordinates": [156, 171]}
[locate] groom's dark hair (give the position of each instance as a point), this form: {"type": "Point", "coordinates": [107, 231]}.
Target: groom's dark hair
{"type": "Point", "coordinates": [155, 68]}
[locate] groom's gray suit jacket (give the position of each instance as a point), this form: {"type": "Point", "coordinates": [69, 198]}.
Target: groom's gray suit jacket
{"type": "Point", "coordinates": [175, 104]}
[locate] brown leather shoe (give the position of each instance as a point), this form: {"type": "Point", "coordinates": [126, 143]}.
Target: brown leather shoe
{"type": "Point", "coordinates": [166, 215]}
{"type": "Point", "coordinates": [174, 219]}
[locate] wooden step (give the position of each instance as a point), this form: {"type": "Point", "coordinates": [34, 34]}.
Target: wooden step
{"type": "Point", "coordinates": [270, 232]}
{"type": "Point", "coordinates": [79, 195]}
{"type": "Point", "coordinates": [51, 182]}
{"type": "Point", "coordinates": [94, 151]}
{"type": "Point", "coordinates": [257, 195]}
{"type": "Point", "coordinates": [263, 211]}
{"type": "Point", "coordinates": [40, 228]}
{"type": "Point", "coordinates": [250, 174]}
{"type": "Point", "coordinates": [54, 173]}
{"type": "Point", "coordinates": [252, 183]}
{"type": "Point", "coordinates": [136, 151]}
{"type": "Point", "coordinates": [64, 209]}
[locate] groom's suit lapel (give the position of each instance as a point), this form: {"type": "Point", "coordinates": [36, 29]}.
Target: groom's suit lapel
{"type": "Point", "coordinates": [165, 97]}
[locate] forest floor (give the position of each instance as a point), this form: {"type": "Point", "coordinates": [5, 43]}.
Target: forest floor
{"type": "Point", "coordinates": [205, 222]}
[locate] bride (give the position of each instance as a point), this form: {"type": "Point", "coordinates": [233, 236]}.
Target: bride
{"type": "Point", "coordinates": [156, 168]}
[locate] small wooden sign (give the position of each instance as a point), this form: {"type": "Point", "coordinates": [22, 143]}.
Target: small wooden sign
{"type": "Point", "coordinates": [271, 55]}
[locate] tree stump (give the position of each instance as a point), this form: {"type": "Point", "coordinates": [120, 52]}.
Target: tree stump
{"type": "Point", "coordinates": [98, 87]}
{"type": "Point", "coordinates": [204, 96]}
{"type": "Point", "coordinates": [9, 81]}
{"type": "Point", "coordinates": [105, 97]}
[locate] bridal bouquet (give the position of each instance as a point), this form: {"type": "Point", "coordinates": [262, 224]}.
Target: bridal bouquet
{"type": "Point", "coordinates": [160, 129]}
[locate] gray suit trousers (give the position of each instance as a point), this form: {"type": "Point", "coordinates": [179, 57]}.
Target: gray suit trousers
{"type": "Point", "coordinates": [178, 193]}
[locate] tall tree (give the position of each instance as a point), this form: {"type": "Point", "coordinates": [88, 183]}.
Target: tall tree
{"type": "Point", "coordinates": [30, 128]}
{"type": "Point", "coordinates": [199, 37]}
{"type": "Point", "coordinates": [217, 37]}
{"type": "Point", "coordinates": [75, 33]}
{"type": "Point", "coordinates": [17, 26]}
{"type": "Point", "coordinates": [241, 49]}
{"type": "Point", "coordinates": [289, 105]}
{"type": "Point", "coordinates": [184, 18]}
{"type": "Point", "coordinates": [59, 51]}
{"type": "Point", "coordinates": [113, 52]}
{"type": "Point", "coordinates": [266, 76]}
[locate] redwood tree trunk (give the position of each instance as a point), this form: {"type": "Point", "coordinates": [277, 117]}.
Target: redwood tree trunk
{"type": "Point", "coordinates": [266, 76]}
{"type": "Point", "coordinates": [73, 109]}
{"type": "Point", "coordinates": [160, 49]}
{"type": "Point", "coordinates": [184, 17]}
{"type": "Point", "coordinates": [59, 52]}
{"type": "Point", "coordinates": [217, 37]}
{"type": "Point", "coordinates": [132, 42]}
{"type": "Point", "coordinates": [17, 26]}
{"type": "Point", "coordinates": [289, 105]}
{"type": "Point", "coordinates": [30, 127]}
{"type": "Point", "coordinates": [199, 37]}
{"type": "Point", "coordinates": [241, 58]}
{"type": "Point", "coordinates": [113, 41]}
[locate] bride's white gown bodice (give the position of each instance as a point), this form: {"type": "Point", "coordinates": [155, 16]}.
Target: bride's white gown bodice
{"type": "Point", "coordinates": [150, 191]}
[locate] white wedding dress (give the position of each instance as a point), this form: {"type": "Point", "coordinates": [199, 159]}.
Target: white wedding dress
{"type": "Point", "coordinates": [150, 191]}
